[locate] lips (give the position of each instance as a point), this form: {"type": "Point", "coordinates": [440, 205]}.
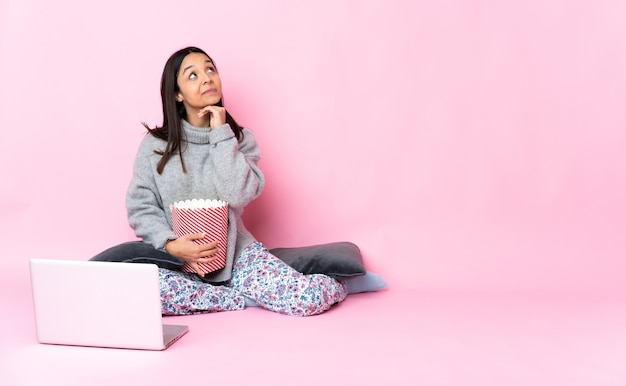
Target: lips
{"type": "Point", "coordinates": [209, 91]}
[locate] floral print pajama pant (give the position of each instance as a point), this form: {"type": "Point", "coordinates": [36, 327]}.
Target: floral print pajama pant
{"type": "Point", "coordinates": [258, 275]}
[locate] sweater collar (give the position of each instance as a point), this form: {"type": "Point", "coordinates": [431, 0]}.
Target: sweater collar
{"type": "Point", "coordinates": [195, 134]}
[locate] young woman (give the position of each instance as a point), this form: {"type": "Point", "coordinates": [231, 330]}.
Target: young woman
{"type": "Point", "coordinates": [201, 152]}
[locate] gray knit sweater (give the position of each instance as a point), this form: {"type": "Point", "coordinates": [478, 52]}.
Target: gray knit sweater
{"type": "Point", "coordinates": [218, 167]}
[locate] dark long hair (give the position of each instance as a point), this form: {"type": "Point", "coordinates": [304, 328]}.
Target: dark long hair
{"type": "Point", "coordinates": [173, 111]}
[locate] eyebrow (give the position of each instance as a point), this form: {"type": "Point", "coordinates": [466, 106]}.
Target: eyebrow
{"type": "Point", "coordinates": [188, 67]}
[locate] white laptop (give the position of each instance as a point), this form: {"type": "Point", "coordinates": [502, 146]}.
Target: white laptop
{"type": "Point", "coordinates": [101, 304]}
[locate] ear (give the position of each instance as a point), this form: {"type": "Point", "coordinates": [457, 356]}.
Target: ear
{"type": "Point", "coordinates": [179, 97]}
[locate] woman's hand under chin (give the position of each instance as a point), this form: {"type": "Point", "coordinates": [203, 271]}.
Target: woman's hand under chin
{"type": "Point", "coordinates": [217, 115]}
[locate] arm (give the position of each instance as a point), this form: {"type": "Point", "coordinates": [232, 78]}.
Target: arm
{"type": "Point", "coordinates": [237, 178]}
{"type": "Point", "coordinates": [146, 214]}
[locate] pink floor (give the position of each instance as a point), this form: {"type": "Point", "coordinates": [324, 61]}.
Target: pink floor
{"type": "Point", "coordinates": [394, 337]}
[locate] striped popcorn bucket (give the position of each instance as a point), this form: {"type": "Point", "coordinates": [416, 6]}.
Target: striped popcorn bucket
{"type": "Point", "coordinates": [203, 216]}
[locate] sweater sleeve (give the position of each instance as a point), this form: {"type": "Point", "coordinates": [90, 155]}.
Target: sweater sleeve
{"type": "Point", "coordinates": [144, 205]}
{"type": "Point", "coordinates": [237, 178]}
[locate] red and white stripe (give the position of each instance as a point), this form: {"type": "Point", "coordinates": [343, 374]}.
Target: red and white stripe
{"type": "Point", "coordinates": [213, 222]}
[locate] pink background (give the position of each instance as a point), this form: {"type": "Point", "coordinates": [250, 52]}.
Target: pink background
{"type": "Point", "coordinates": [474, 150]}
{"type": "Point", "coordinates": [462, 145]}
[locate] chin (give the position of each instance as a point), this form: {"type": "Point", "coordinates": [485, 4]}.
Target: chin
{"type": "Point", "coordinates": [212, 99]}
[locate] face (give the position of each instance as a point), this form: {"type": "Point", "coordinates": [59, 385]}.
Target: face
{"type": "Point", "coordinates": [199, 83]}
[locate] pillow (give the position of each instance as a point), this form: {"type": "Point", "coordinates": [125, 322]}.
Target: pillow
{"type": "Point", "coordinates": [370, 282]}
{"type": "Point", "coordinates": [337, 260]}
{"type": "Point", "coordinates": [139, 252]}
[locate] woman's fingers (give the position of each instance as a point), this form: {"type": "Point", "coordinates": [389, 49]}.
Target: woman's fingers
{"type": "Point", "coordinates": [207, 259]}
{"type": "Point", "coordinates": [217, 115]}
{"type": "Point", "coordinates": [211, 109]}
{"type": "Point", "coordinates": [193, 253]}
{"type": "Point", "coordinates": [209, 256]}
{"type": "Point", "coordinates": [203, 112]}
{"type": "Point", "coordinates": [194, 236]}
{"type": "Point", "coordinates": [207, 250]}
{"type": "Point", "coordinates": [211, 245]}
{"type": "Point", "coordinates": [196, 268]}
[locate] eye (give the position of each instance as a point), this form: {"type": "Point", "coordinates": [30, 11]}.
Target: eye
{"type": "Point", "coordinates": [193, 75]}
{"type": "Point", "coordinates": [210, 69]}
